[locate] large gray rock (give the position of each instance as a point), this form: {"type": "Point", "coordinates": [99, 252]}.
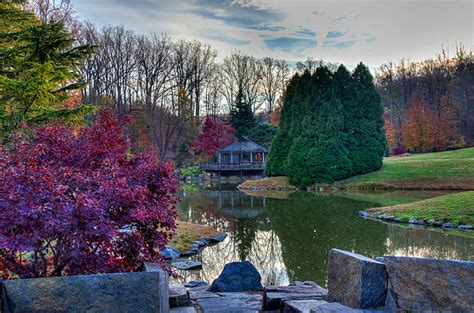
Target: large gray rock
{"type": "Point", "coordinates": [355, 280]}
{"type": "Point", "coordinates": [419, 284]}
{"type": "Point", "coordinates": [236, 277]}
{"type": "Point", "coordinates": [121, 292]}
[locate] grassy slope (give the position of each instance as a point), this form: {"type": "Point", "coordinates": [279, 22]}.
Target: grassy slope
{"type": "Point", "coordinates": [457, 208]}
{"type": "Point", "coordinates": [440, 170]}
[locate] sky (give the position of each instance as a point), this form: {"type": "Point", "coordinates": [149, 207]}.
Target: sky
{"type": "Point", "coordinates": [347, 32]}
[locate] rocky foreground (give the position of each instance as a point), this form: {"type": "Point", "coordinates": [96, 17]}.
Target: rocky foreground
{"type": "Point", "coordinates": [355, 284]}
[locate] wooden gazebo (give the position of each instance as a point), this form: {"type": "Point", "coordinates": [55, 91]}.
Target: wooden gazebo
{"type": "Point", "coordinates": [243, 155]}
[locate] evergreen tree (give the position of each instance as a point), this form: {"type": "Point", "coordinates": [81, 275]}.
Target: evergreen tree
{"type": "Point", "coordinates": [39, 69]}
{"type": "Point", "coordinates": [346, 93]}
{"type": "Point", "coordinates": [318, 155]}
{"type": "Point", "coordinates": [263, 133]}
{"type": "Point", "coordinates": [241, 115]}
{"type": "Point", "coordinates": [282, 142]}
{"type": "Point", "coordinates": [365, 124]}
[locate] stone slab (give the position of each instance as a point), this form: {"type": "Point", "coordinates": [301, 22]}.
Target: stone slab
{"type": "Point", "coordinates": [178, 296]}
{"type": "Point", "coordinates": [231, 302]}
{"type": "Point", "coordinates": [355, 280]}
{"type": "Point", "coordinates": [275, 296]}
{"type": "Point", "coordinates": [119, 292]}
{"type": "Point", "coordinates": [195, 283]}
{"type": "Point", "coordinates": [317, 306]}
{"type": "Point", "coordinates": [421, 284]}
{"type": "Point", "coordinates": [186, 265]}
{"type": "Point", "coordinates": [186, 309]}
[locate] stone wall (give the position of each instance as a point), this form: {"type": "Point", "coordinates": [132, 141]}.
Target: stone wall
{"type": "Point", "coordinates": [400, 283]}
{"type": "Point", "coordinates": [120, 292]}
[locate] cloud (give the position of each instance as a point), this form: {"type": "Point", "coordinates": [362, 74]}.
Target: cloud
{"type": "Point", "coordinates": [226, 39]}
{"type": "Point", "coordinates": [269, 28]}
{"type": "Point", "coordinates": [244, 14]}
{"type": "Point", "coordinates": [340, 44]}
{"type": "Point", "coordinates": [293, 45]}
{"type": "Point", "coordinates": [334, 34]}
{"type": "Point", "coordinates": [305, 32]}
{"type": "Point", "coordinates": [372, 31]}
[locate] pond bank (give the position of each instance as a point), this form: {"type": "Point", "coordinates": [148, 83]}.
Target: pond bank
{"type": "Point", "coordinates": [447, 211]}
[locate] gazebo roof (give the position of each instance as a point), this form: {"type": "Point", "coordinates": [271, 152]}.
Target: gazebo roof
{"type": "Point", "coordinates": [243, 145]}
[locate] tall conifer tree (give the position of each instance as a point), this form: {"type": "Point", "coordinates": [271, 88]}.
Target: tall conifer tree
{"type": "Point", "coordinates": [366, 124]}
{"type": "Point", "coordinates": [241, 116]}
{"type": "Point", "coordinates": [282, 142]}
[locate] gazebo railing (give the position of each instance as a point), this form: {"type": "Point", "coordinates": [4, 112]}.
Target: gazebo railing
{"type": "Point", "coordinates": [223, 166]}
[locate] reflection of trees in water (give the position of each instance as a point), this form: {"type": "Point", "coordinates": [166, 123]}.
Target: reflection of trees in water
{"type": "Point", "coordinates": [309, 225]}
{"type": "Point", "coordinates": [264, 252]}
{"type": "Point", "coordinates": [434, 243]}
{"type": "Point", "coordinates": [249, 239]}
{"type": "Point", "coordinates": [289, 239]}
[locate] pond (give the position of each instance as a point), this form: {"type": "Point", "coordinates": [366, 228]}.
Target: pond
{"type": "Point", "coordinates": [288, 236]}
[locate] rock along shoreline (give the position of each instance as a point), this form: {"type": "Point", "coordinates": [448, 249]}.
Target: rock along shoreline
{"type": "Point", "coordinates": [414, 221]}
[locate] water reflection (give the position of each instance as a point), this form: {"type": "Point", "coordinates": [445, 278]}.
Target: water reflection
{"type": "Point", "coordinates": [288, 238]}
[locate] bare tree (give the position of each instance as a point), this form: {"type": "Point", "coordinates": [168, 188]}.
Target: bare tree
{"type": "Point", "coordinates": [273, 75]}
{"type": "Point", "coordinates": [54, 11]}
{"type": "Point", "coordinates": [241, 70]}
{"type": "Point", "coordinates": [203, 65]}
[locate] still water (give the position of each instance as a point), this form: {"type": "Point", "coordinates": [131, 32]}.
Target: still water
{"type": "Point", "coordinates": [288, 236]}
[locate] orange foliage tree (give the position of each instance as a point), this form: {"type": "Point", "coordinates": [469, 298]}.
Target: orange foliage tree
{"type": "Point", "coordinates": [426, 130]}
{"type": "Point", "coordinates": [418, 130]}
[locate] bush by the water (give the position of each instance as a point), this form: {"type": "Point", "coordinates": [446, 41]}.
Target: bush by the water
{"type": "Point", "coordinates": [331, 127]}
{"type": "Point", "coordinates": [78, 202]}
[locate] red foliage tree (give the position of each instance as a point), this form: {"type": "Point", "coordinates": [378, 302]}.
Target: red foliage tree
{"type": "Point", "coordinates": [77, 202]}
{"type": "Point", "coordinates": [213, 137]}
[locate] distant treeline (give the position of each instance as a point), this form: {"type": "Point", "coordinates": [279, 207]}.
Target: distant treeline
{"type": "Point", "coordinates": [429, 105]}
{"type": "Point", "coordinates": [331, 127]}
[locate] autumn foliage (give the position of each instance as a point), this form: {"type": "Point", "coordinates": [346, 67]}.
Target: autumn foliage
{"type": "Point", "coordinates": [426, 130]}
{"type": "Point", "coordinates": [214, 136]}
{"type": "Point", "coordinates": [78, 202]}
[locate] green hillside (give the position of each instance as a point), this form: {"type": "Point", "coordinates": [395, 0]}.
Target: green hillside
{"type": "Point", "coordinates": [440, 170]}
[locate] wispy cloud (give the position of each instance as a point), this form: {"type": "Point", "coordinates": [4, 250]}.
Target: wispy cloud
{"type": "Point", "coordinates": [291, 45]}
{"type": "Point", "coordinates": [334, 34]}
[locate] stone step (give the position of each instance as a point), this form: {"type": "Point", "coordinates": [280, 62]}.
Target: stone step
{"type": "Point", "coordinates": [275, 296]}
{"type": "Point", "coordinates": [234, 302]}
{"type": "Point", "coordinates": [317, 306]}
{"type": "Point", "coordinates": [179, 296]}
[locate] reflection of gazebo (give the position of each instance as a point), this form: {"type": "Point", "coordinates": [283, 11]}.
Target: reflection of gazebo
{"type": "Point", "coordinates": [236, 203]}
{"type": "Point", "coordinates": [243, 155]}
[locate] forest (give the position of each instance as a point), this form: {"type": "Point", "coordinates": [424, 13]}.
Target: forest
{"type": "Point", "coordinates": [170, 85]}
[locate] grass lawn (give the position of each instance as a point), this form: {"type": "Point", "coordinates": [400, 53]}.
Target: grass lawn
{"type": "Point", "coordinates": [187, 233]}
{"type": "Point", "coordinates": [457, 208]}
{"type": "Point", "coordinates": [452, 170]}
{"type": "Point", "coordinates": [269, 183]}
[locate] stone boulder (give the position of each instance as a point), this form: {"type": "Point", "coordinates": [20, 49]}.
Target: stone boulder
{"type": "Point", "coordinates": [355, 280]}
{"type": "Point", "coordinates": [120, 292]}
{"type": "Point", "coordinates": [420, 284]}
{"type": "Point", "coordinates": [237, 277]}
{"type": "Point", "coordinates": [170, 253]}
